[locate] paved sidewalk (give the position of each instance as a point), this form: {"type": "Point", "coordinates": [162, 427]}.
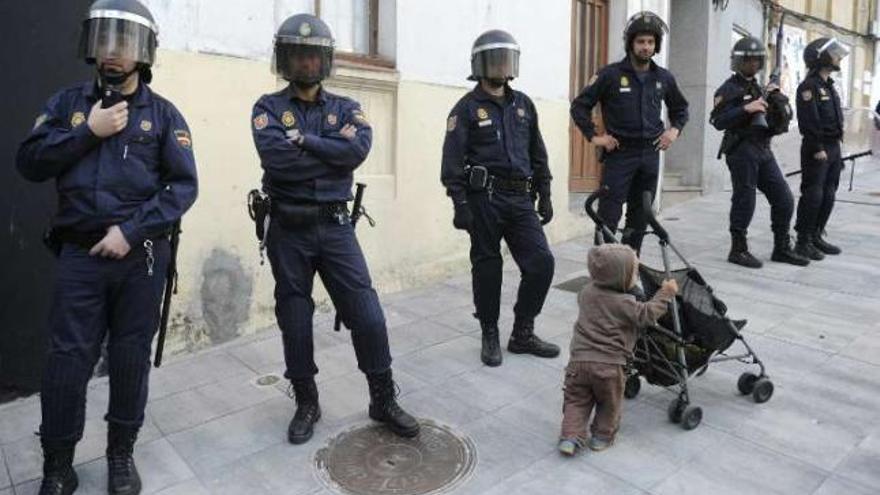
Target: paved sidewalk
{"type": "Point", "coordinates": [212, 429]}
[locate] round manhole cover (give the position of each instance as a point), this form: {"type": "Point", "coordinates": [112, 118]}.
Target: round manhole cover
{"type": "Point", "coordinates": [370, 460]}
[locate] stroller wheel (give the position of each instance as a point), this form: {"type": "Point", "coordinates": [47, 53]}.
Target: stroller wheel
{"type": "Point", "coordinates": [746, 383]}
{"type": "Point", "coordinates": [675, 410]}
{"type": "Point", "coordinates": [691, 417]}
{"type": "Point", "coordinates": [632, 387]}
{"type": "Point", "coordinates": [763, 390]}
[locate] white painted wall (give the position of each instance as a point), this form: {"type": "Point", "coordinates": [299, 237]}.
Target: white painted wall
{"type": "Point", "coordinates": [435, 38]}
{"type": "Point", "coordinates": [430, 40]}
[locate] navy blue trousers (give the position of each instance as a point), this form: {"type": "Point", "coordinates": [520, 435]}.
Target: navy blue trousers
{"type": "Point", "coordinates": [819, 181]}
{"type": "Point", "coordinates": [628, 173]}
{"type": "Point", "coordinates": [331, 250]}
{"type": "Point", "coordinates": [510, 217]}
{"type": "Point", "coordinates": [753, 168]}
{"type": "Point", "coordinates": [94, 297]}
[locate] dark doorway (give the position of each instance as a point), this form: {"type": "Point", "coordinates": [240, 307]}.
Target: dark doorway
{"type": "Point", "coordinates": [39, 58]}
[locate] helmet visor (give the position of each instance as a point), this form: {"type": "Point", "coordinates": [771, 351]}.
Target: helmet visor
{"type": "Point", "coordinates": [496, 63]}
{"type": "Point", "coordinates": [120, 39]}
{"type": "Point", "coordinates": [309, 64]}
{"type": "Point", "coordinates": [834, 49]}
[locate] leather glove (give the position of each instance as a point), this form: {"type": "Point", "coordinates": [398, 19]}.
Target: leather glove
{"type": "Point", "coordinates": [464, 217]}
{"type": "Point", "coordinates": [545, 208]}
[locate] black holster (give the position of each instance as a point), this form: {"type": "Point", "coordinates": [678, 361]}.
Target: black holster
{"type": "Point", "coordinates": [259, 206]}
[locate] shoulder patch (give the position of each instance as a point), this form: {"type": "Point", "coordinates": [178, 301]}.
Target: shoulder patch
{"type": "Point", "coordinates": [451, 123]}
{"type": "Point", "coordinates": [593, 80]}
{"type": "Point", "coordinates": [807, 95]}
{"type": "Point", "coordinates": [331, 119]}
{"type": "Point", "coordinates": [261, 121]}
{"type": "Point", "coordinates": [183, 138]}
{"type": "Point", "coordinates": [77, 119]}
{"type": "Point", "coordinates": [718, 100]}
{"type": "Point", "coordinates": [41, 119]}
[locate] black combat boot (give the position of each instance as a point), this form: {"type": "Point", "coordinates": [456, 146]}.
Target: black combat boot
{"type": "Point", "coordinates": [524, 341]}
{"type": "Point", "coordinates": [805, 247]}
{"type": "Point", "coordinates": [59, 478]}
{"type": "Point", "coordinates": [783, 253]}
{"type": "Point", "coordinates": [384, 407]}
{"type": "Point", "coordinates": [491, 351]}
{"type": "Point", "coordinates": [308, 412]}
{"type": "Point", "coordinates": [825, 246]}
{"type": "Point", "coordinates": [739, 251]}
{"type": "Point", "coordinates": [122, 475]}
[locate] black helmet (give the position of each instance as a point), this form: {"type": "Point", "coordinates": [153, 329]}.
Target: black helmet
{"type": "Point", "coordinates": [745, 49]}
{"type": "Point", "coordinates": [825, 53]}
{"type": "Point", "coordinates": [303, 35]}
{"type": "Point", "coordinates": [122, 29]}
{"type": "Point", "coordinates": [495, 55]}
{"type": "Point", "coordinates": [645, 22]}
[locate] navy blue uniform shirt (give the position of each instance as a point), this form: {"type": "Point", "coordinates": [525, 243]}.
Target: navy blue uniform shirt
{"type": "Point", "coordinates": [820, 118]}
{"type": "Point", "coordinates": [501, 134]}
{"type": "Point", "coordinates": [630, 107]}
{"type": "Point", "coordinates": [320, 169]}
{"type": "Point", "coordinates": [729, 112]}
{"type": "Point", "coordinates": [142, 178]}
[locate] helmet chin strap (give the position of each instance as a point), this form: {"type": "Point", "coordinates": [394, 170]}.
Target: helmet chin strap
{"type": "Point", "coordinates": [114, 78]}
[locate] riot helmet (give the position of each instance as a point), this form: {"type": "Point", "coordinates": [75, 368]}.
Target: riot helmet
{"type": "Point", "coordinates": [825, 53]}
{"type": "Point", "coordinates": [495, 57]}
{"type": "Point", "coordinates": [303, 52]}
{"type": "Point", "coordinates": [644, 22]}
{"type": "Point", "coordinates": [119, 30]}
{"type": "Point", "coordinates": [746, 50]}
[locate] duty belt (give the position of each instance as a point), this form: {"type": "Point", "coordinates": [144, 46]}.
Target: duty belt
{"type": "Point", "coordinates": [504, 184]}
{"type": "Point", "coordinates": [301, 214]}
{"type": "Point", "coordinates": [635, 143]}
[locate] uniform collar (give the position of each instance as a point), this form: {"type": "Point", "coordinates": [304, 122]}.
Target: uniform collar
{"type": "Point", "coordinates": [481, 94]}
{"type": "Point", "coordinates": [142, 96]}
{"type": "Point", "coordinates": [627, 66]}
{"type": "Point", "coordinates": [322, 95]}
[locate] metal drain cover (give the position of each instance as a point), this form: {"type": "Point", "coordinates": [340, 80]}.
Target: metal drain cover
{"type": "Point", "coordinates": [370, 460]}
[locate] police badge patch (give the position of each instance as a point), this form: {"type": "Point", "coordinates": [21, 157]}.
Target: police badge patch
{"type": "Point", "coordinates": [521, 112]}
{"type": "Point", "coordinates": [482, 114]}
{"type": "Point", "coordinates": [451, 123]}
{"type": "Point", "coordinates": [288, 119]}
{"type": "Point", "coordinates": [261, 121]}
{"type": "Point", "coordinates": [77, 119]}
{"type": "Point", "coordinates": [624, 81]}
{"type": "Point", "coordinates": [183, 138]}
{"type": "Point", "coordinates": [146, 125]}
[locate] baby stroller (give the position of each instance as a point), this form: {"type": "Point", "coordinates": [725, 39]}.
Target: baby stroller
{"type": "Point", "coordinates": [696, 333]}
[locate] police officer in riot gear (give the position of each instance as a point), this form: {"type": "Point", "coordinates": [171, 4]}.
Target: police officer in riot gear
{"type": "Point", "coordinates": [122, 161]}
{"type": "Point", "coordinates": [739, 111]}
{"type": "Point", "coordinates": [820, 120]}
{"type": "Point", "coordinates": [310, 141]}
{"type": "Point", "coordinates": [631, 93]}
{"type": "Point", "coordinates": [494, 170]}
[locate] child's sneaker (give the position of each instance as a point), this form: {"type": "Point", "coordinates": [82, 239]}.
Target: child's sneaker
{"type": "Point", "coordinates": [568, 446]}
{"type": "Point", "coordinates": [599, 444]}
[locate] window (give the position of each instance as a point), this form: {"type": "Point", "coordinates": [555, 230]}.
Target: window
{"type": "Point", "coordinates": [355, 24]}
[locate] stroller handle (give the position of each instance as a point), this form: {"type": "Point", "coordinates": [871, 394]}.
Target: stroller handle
{"type": "Point", "coordinates": [647, 201]}
{"type": "Point", "coordinates": [607, 234]}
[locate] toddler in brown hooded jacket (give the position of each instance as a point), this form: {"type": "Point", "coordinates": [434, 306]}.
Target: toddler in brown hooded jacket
{"type": "Point", "coordinates": [609, 321]}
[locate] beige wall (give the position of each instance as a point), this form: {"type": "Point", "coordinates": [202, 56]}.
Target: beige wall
{"type": "Point", "coordinates": [224, 292]}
